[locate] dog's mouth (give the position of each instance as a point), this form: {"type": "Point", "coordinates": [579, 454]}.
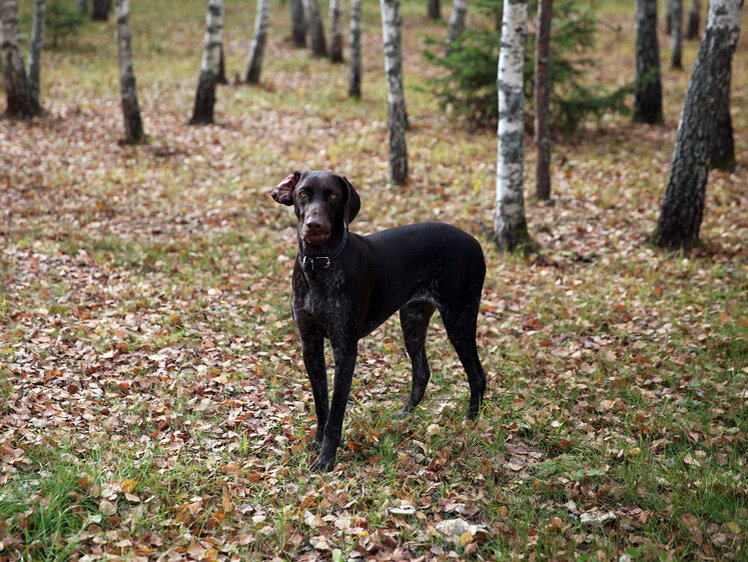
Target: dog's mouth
{"type": "Point", "coordinates": [315, 238]}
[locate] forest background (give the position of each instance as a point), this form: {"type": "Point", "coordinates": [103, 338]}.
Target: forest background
{"type": "Point", "coordinates": [152, 396]}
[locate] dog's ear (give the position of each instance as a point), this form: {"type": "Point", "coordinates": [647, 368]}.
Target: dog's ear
{"type": "Point", "coordinates": [283, 192]}
{"type": "Point", "coordinates": [352, 202]}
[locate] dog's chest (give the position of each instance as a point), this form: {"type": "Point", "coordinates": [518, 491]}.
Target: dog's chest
{"type": "Point", "coordinates": [321, 298]}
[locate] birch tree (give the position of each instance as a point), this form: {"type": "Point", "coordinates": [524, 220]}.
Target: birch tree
{"type": "Point", "coordinates": [298, 23]}
{"type": "Point", "coordinates": [456, 21]}
{"type": "Point", "coordinates": [510, 225]}
{"type": "Point", "coordinates": [676, 34]}
{"type": "Point", "coordinates": [694, 18]}
{"type": "Point", "coordinates": [257, 50]}
{"type": "Point", "coordinates": [683, 204]}
{"type": "Point", "coordinates": [393, 67]}
{"type": "Point", "coordinates": [316, 28]}
{"type": "Point", "coordinates": [648, 98]}
{"type": "Point", "coordinates": [336, 30]}
{"type": "Point", "coordinates": [14, 73]}
{"type": "Point", "coordinates": [354, 84]}
{"type": "Point", "coordinates": [128, 89]}
{"type": "Point", "coordinates": [542, 92]}
{"type": "Point", "coordinates": [35, 55]}
{"type": "Point", "coordinates": [205, 97]}
{"type": "Point", "coordinates": [722, 156]}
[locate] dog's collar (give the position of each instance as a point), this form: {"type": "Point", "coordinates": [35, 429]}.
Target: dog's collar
{"type": "Point", "coordinates": [312, 263]}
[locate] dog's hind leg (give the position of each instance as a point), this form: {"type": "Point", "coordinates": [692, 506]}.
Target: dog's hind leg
{"type": "Point", "coordinates": [414, 320]}
{"type": "Point", "coordinates": [460, 324]}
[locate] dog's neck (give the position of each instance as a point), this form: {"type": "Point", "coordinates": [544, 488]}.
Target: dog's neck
{"type": "Point", "coordinates": [315, 261]}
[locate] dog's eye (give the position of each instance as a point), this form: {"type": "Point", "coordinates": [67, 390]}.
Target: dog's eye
{"type": "Point", "coordinates": [303, 194]}
{"type": "Point", "coordinates": [333, 196]}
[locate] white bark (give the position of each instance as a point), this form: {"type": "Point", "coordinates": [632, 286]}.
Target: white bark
{"type": "Point", "coordinates": [316, 29]}
{"type": "Point", "coordinates": [35, 53]}
{"type": "Point", "coordinates": [205, 97]}
{"type": "Point", "coordinates": [457, 20]}
{"type": "Point", "coordinates": [257, 50]}
{"type": "Point", "coordinates": [336, 30]}
{"type": "Point", "coordinates": [128, 89]}
{"type": "Point", "coordinates": [510, 226]}
{"type": "Point", "coordinates": [354, 85]}
{"type": "Point", "coordinates": [393, 67]}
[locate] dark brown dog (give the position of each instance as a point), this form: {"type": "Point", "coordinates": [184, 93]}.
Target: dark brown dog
{"type": "Point", "coordinates": [345, 285]}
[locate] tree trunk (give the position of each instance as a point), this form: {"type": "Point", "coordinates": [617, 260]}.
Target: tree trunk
{"type": "Point", "coordinates": [694, 17]}
{"type": "Point", "coordinates": [128, 90]}
{"type": "Point", "coordinates": [456, 22]}
{"type": "Point", "coordinates": [683, 205]}
{"type": "Point", "coordinates": [254, 66]}
{"type": "Point", "coordinates": [298, 23]}
{"type": "Point", "coordinates": [336, 30]}
{"type": "Point", "coordinates": [316, 29]}
{"type": "Point", "coordinates": [648, 99]}
{"type": "Point", "coordinates": [35, 55]}
{"type": "Point", "coordinates": [354, 85]}
{"type": "Point", "coordinates": [722, 156]}
{"type": "Point", "coordinates": [510, 226]}
{"type": "Point", "coordinates": [82, 6]}
{"type": "Point", "coordinates": [222, 68]}
{"type": "Point", "coordinates": [676, 37]}
{"type": "Point", "coordinates": [668, 14]}
{"type": "Point", "coordinates": [542, 90]}
{"type": "Point", "coordinates": [205, 98]}
{"type": "Point", "coordinates": [14, 73]}
{"type": "Point", "coordinates": [100, 9]}
{"type": "Point", "coordinates": [393, 66]}
{"type": "Point", "coordinates": [434, 9]}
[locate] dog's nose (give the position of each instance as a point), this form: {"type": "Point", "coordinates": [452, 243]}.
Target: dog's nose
{"type": "Point", "coordinates": [314, 224]}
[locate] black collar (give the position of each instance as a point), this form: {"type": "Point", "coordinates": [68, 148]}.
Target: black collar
{"type": "Point", "coordinates": [311, 263]}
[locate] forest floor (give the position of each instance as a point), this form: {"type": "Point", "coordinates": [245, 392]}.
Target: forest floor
{"type": "Point", "coordinates": [153, 402]}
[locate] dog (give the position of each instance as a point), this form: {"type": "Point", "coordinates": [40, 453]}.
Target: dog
{"type": "Point", "coordinates": [345, 285]}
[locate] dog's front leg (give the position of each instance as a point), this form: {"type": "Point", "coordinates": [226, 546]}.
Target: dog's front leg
{"type": "Point", "coordinates": [313, 352]}
{"type": "Point", "coordinates": [345, 362]}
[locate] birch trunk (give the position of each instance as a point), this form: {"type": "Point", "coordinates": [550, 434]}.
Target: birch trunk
{"type": "Point", "coordinates": [434, 9]}
{"type": "Point", "coordinates": [316, 29]}
{"type": "Point", "coordinates": [722, 156]}
{"type": "Point", "coordinates": [35, 55]}
{"type": "Point", "coordinates": [510, 226]}
{"type": "Point", "coordinates": [354, 85]}
{"type": "Point", "coordinates": [683, 204]}
{"type": "Point", "coordinates": [254, 65]}
{"type": "Point", "coordinates": [676, 36]}
{"type": "Point", "coordinates": [336, 30]}
{"type": "Point", "coordinates": [542, 90]}
{"type": "Point", "coordinates": [205, 97]}
{"type": "Point", "coordinates": [128, 89]}
{"type": "Point", "coordinates": [456, 21]}
{"type": "Point", "coordinates": [14, 73]}
{"type": "Point", "coordinates": [648, 98]}
{"type": "Point", "coordinates": [393, 67]}
{"type": "Point", "coordinates": [298, 23]}
{"type": "Point", "coordinates": [694, 17]}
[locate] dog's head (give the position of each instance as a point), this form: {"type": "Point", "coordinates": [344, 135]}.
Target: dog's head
{"type": "Point", "coordinates": [323, 202]}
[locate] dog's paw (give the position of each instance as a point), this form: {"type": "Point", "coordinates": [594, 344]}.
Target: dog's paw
{"type": "Point", "coordinates": [314, 446]}
{"type": "Point", "coordinates": [323, 464]}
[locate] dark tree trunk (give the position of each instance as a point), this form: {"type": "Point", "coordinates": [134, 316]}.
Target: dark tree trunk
{"type": "Point", "coordinates": [128, 90]}
{"type": "Point", "coordinates": [35, 55]}
{"type": "Point", "coordinates": [676, 37]}
{"type": "Point", "coordinates": [694, 17]}
{"type": "Point", "coordinates": [336, 30]}
{"type": "Point", "coordinates": [100, 9]}
{"type": "Point", "coordinates": [354, 85]}
{"type": "Point", "coordinates": [316, 28]}
{"type": "Point", "coordinates": [542, 89]}
{"type": "Point", "coordinates": [16, 82]}
{"type": "Point", "coordinates": [723, 147]}
{"type": "Point", "coordinates": [683, 204]}
{"type": "Point", "coordinates": [298, 23]}
{"type": "Point", "coordinates": [205, 97]}
{"type": "Point", "coordinates": [668, 17]}
{"type": "Point", "coordinates": [434, 9]}
{"type": "Point", "coordinates": [648, 99]}
{"type": "Point", "coordinates": [82, 6]}
{"type": "Point", "coordinates": [222, 68]}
